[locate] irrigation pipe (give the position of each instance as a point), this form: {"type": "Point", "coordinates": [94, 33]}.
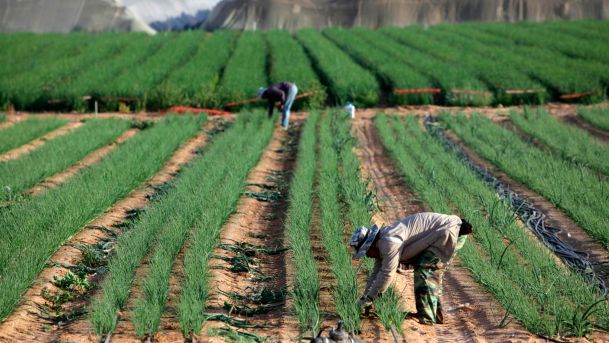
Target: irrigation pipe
{"type": "Point", "coordinates": [534, 218]}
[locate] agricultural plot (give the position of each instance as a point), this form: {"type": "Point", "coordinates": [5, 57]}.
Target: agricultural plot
{"type": "Point", "coordinates": [597, 117]}
{"type": "Point", "coordinates": [245, 71]}
{"type": "Point", "coordinates": [288, 61]}
{"type": "Point", "coordinates": [32, 89]}
{"type": "Point", "coordinates": [469, 88]}
{"type": "Point", "coordinates": [578, 191]}
{"type": "Point", "coordinates": [346, 80]}
{"type": "Point", "coordinates": [195, 83]}
{"type": "Point", "coordinates": [509, 84]}
{"type": "Point", "coordinates": [66, 209]}
{"type": "Point", "coordinates": [568, 78]}
{"type": "Point", "coordinates": [138, 86]}
{"type": "Point", "coordinates": [92, 84]}
{"type": "Point", "coordinates": [194, 207]}
{"type": "Point", "coordinates": [160, 277]}
{"type": "Point", "coordinates": [518, 64]}
{"type": "Point", "coordinates": [26, 131]}
{"type": "Point", "coordinates": [571, 143]}
{"type": "Point", "coordinates": [406, 85]}
{"type": "Point", "coordinates": [55, 156]}
{"type": "Point", "coordinates": [505, 259]}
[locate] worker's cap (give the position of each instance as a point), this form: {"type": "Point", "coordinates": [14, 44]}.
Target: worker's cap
{"type": "Point", "coordinates": [261, 91]}
{"type": "Point", "coordinates": [362, 240]}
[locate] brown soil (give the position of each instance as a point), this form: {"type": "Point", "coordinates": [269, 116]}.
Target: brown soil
{"type": "Point", "coordinates": [259, 223]}
{"type": "Point", "coordinates": [22, 325]}
{"type": "Point", "coordinates": [570, 232]}
{"type": "Point", "coordinates": [24, 149]}
{"type": "Point", "coordinates": [324, 267]}
{"type": "Point", "coordinates": [7, 123]}
{"type": "Point", "coordinates": [471, 314]}
{"type": "Point", "coordinates": [89, 160]}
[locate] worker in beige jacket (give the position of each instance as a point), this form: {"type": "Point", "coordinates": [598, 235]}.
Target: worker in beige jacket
{"type": "Point", "coordinates": [425, 241]}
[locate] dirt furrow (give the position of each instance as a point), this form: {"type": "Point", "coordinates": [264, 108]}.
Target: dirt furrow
{"type": "Point", "coordinates": [250, 258]}
{"type": "Point", "coordinates": [89, 160]}
{"type": "Point", "coordinates": [470, 313]}
{"type": "Point", "coordinates": [26, 148]}
{"type": "Point", "coordinates": [23, 324]}
{"type": "Point", "coordinates": [7, 124]}
{"type": "Point", "coordinates": [324, 268]}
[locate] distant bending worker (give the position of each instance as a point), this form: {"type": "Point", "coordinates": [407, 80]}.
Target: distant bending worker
{"type": "Point", "coordinates": [284, 93]}
{"type": "Point", "coordinates": [426, 241]}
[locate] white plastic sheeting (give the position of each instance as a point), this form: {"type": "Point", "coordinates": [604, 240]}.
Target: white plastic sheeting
{"type": "Point", "coordinates": [160, 10]}
{"type": "Point", "coordinates": [68, 15]}
{"type": "Point", "coordinates": [295, 14]}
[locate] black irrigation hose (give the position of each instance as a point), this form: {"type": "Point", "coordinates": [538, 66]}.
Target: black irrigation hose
{"type": "Point", "coordinates": [533, 217]}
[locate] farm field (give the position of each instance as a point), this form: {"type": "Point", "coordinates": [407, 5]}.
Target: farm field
{"type": "Point", "coordinates": [228, 228]}
{"type": "Point", "coordinates": [462, 65]}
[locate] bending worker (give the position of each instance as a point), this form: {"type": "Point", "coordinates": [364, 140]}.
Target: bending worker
{"type": "Point", "coordinates": [425, 241]}
{"type": "Point", "coordinates": [284, 93]}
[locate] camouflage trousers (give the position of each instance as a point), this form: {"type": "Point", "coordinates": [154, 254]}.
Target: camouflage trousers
{"type": "Point", "coordinates": [428, 273]}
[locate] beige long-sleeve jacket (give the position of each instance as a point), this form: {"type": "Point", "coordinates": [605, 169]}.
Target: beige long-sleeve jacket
{"type": "Point", "coordinates": [405, 239]}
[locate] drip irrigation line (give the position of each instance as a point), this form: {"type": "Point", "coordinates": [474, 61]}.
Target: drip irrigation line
{"type": "Point", "coordinates": [533, 218]}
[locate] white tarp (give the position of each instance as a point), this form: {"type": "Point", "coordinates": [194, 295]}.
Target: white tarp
{"type": "Point", "coordinates": [68, 15]}
{"type": "Point", "coordinates": [160, 10]}
{"type": "Point", "coordinates": [295, 14]}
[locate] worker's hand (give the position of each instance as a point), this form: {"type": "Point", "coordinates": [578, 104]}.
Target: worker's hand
{"type": "Point", "coordinates": [365, 302]}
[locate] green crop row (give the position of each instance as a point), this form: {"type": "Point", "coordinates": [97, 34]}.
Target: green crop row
{"type": "Point", "coordinates": [74, 95]}
{"type": "Point", "coordinates": [33, 229]}
{"type": "Point", "coordinates": [195, 288]}
{"type": "Point", "coordinates": [394, 74]}
{"type": "Point", "coordinates": [460, 84]}
{"type": "Point", "coordinates": [195, 83]}
{"type": "Point", "coordinates": [578, 191]}
{"type": "Point", "coordinates": [196, 206]}
{"type": "Point", "coordinates": [457, 85]}
{"type": "Point", "coordinates": [33, 89]}
{"type": "Point", "coordinates": [561, 75]}
{"type": "Point", "coordinates": [139, 85]}
{"type": "Point", "coordinates": [359, 201]}
{"type": "Point", "coordinates": [56, 155]}
{"type": "Point", "coordinates": [245, 71]}
{"type": "Point", "coordinates": [579, 29]}
{"type": "Point", "coordinates": [509, 84]}
{"type": "Point", "coordinates": [27, 50]}
{"type": "Point", "coordinates": [572, 143]}
{"type": "Point", "coordinates": [544, 36]}
{"type": "Point", "coordinates": [289, 62]}
{"type": "Point", "coordinates": [26, 131]}
{"type": "Point", "coordinates": [346, 80]}
{"type": "Point", "coordinates": [305, 288]}
{"type": "Point", "coordinates": [523, 276]}
{"type": "Point", "coordinates": [346, 292]}
{"type": "Point", "coordinates": [597, 117]}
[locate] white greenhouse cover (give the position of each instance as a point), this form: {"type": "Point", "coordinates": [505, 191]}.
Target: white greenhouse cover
{"type": "Point", "coordinates": [159, 10]}
{"type": "Point", "coordinates": [69, 15]}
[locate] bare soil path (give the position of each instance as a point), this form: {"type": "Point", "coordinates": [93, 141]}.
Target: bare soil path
{"type": "Point", "coordinates": [471, 314]}
{"type": "Point", "coordinates": [89, 160]}
{"type": "Point", "coordinates": [23, 325]}
{"type": "Point", "coordinates": [257, 224]}
{"type": "Point", "coordinates": [24, 149]}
